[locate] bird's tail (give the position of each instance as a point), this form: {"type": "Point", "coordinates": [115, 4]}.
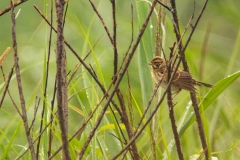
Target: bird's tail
{"type": "Point", "coordinates": [203, 84]}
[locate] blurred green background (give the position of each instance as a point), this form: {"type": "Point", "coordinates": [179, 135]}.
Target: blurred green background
{"type": "Point", "coordinates": [222, 59]}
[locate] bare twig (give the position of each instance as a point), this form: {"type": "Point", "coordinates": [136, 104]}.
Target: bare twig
{"type": "Point", "coordinates": [171, 111]}
{"type": "Point", "coordinates": [37, 102]}
{"type": "Point", "coordinates": [6, 87]}
{"type": "Point", "coordinates": [79, 64]}
{"type": "Point", "coordinates": [126, 122]}
{"type": "Point", "coordinates": [51, 118]}
{"type": "Point", "coordinates": [165, 6]}
{"type": "Point", "coordinates": [158, 43]}
{"type": "Point", "coordinates": [130, 45]}
{"type": "Point", "coordinates": [61, 80]}
{"type": "Point", "coordinates": [2, 57]}
{"type": "Point", "coordinates": [9, 8]}
{"type": "Point", "coordinates": [71, 96]}
{"type": "Point", "coordinates": [18, 77]}
{"type": "Point", "coordinates": [195, 25]}
{"type": "Point", "coordinates": [115, 60]}
{"type": "Point", "coordinates": [101, 19]}
{"type": "Point", "coordinates": [65, 13]}
{"type": "Point", "coordinates": [46, 79]}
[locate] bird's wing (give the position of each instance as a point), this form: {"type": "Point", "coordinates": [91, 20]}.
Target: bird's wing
{"type": "Point", "coordinates": [184, 80]}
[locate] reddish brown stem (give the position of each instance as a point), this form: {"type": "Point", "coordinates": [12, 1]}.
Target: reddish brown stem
{"type": "Point", "coordinates": [61, 80]}
{"type": "Point", "coordinates": [20, 90]}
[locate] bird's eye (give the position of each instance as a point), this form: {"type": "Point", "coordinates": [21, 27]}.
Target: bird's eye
{"type": "Point", "coordinates": [155, 66]}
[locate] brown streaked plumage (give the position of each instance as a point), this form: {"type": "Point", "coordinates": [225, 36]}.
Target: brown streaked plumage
{"type": "Point", "coordinates": [181, 79]}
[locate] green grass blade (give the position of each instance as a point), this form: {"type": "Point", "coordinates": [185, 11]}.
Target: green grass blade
{"type": "Point", "coordinates": [145, 52]}
{"type": "Point", "coordinates": [7, 148]}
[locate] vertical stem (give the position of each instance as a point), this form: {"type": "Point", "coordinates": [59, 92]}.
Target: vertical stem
{"type": "Point", "coordinates": [126, 122]}
{"type": "Point", "coordinates": [61, 80]}
{"type": "Point", "coordinates": [18, 76]}
{"type": "Point", "coordinates": [174, 126]}
{"type": "Point", "coordinates": [115, 61]}
{"type": "Point", "coordinates": [48, 58]}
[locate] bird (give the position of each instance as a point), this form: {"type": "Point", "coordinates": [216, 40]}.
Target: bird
{"type": "Point", "coordinates": [181, 79]}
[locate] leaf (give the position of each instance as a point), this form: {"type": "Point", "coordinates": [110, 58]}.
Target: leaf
{"type": "Point", "coordinates": [7, 148]}
{"type": "Point", "coordinates": [110, 127]}
{"type": "Point", "coordinates": [4, 55]}
{"type": "Point", "coordinates": [145, 53]}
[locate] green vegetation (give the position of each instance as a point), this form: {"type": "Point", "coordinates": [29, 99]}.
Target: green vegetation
{"type": "Point", "coordinates": [219, 106]}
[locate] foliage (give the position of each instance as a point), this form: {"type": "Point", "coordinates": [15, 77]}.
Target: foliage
{"type": "Point", "coordinates": [85, 33]}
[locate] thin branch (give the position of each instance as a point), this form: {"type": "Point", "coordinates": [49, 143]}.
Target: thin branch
{"type": "Point", "coordinates": [158, 43]}
{"type": "Point", "coordinates": [37, 102]}
{"type": "Point", "coordinates": [71, 96]}
{"type": "Point", "coordinates": [18, 77]}
{"type": "Point", "coordinates": [101, 19]}
{"type": "Point", "coordinates": [45, 87]}
{"type": "Point", "coordinates": [126, 122]}
{"type": "Point", "coordinates": [115, 60]}
{"type": "Point", "coordinates": [6, 89]}
{"type": "Point", "coordinates": [165, 6]}
{"type": "Point", "coordinates": [46, 79]}
{"type": "Point", "coordinates": [130, 45]}
{"type": "Point", "coordinates": [50, 135]}
{"type": "Point", "coordinates": [65, 14]}
{"type": "Point", "coordinates": [171, 110]}
{"type": "Point", "coordinates": [9, 8]}
{"type": "Point", "coordinates": [195, 25]}
{"type": "Point", "coordinates": [118, 124]}
{"type": "Point", "coordinates": [79, 64]}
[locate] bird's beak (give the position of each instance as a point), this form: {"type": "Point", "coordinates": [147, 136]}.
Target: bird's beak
{"type": "Point", "coordinates": [150, 63]}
